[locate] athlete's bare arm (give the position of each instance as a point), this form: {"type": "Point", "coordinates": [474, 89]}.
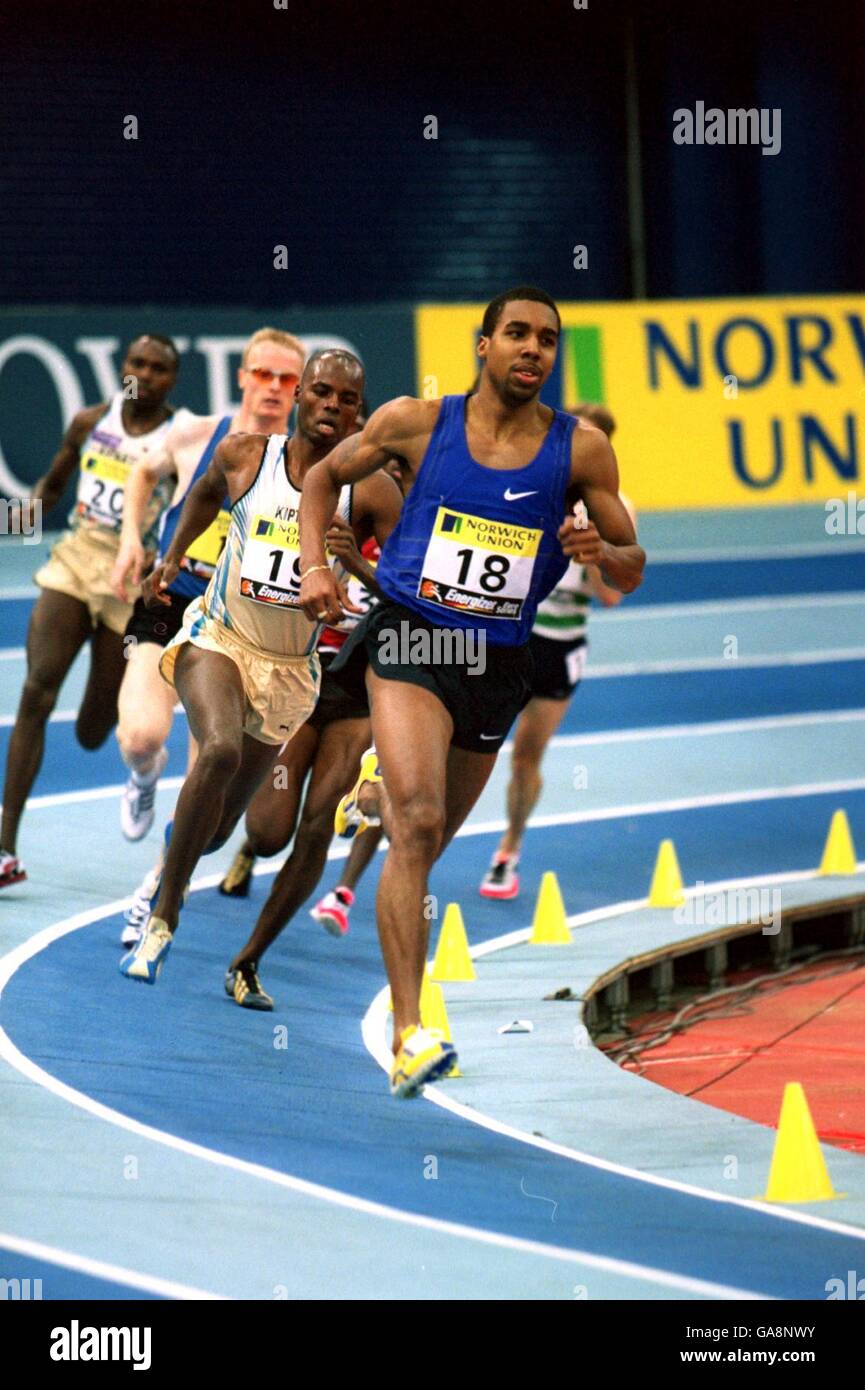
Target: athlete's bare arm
{"type": "Point", "coordinates": [183, 438]}
{"type": "Point", "coordinates": [401, 428]}
{"type": "Point", "coordinates": [50, 486]}
{"type": "Point", "coordinates": [376, 504]}
{"type": "Point", "coordinates": [609, 541]}
{"type": "Point", "coordinates": [232, 471]}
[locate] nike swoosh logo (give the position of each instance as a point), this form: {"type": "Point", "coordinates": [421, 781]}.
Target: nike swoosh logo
{"type": "Point", "coordinates": [489, 736]}
{"type": "Point", "coordinates": [515, 496]}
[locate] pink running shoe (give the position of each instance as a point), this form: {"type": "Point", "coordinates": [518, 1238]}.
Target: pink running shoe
{"type": "Point", "coordinates": [501, 879]}
{"type": "Point", "coordinates": [332, 911]}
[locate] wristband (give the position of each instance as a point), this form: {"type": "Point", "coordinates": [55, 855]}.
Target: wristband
{"type": "Point", "coordinates": [311, 569]}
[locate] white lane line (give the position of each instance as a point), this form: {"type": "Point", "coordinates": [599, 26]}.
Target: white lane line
{"type": "Point", "coordinates": [677, 665]}
{"type": "Point", "coordinates": [13, 961]}
{"type": "Point", "coordinates": [699, 608]}
{"type": "Point", "coordinates": [707, 729]}
{"type": "Point", "coordinates": [680, 803]}
{"type": "Point", "coordinates": [374, 1034]}
{"type": "Point", "coordinates": [789, 551]}
{"type": "Point", "coordinates": [670, 666]}
{"type": "Point", "coordinates": [638, 808]}
{"type": "Point", "coordinates": [13, 591]}
{"type": "Point", "coordinates": [82, 1264]}
{"type": "Point", "coordinates": [65, 716]}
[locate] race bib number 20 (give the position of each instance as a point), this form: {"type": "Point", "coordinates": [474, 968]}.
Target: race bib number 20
{"type": "Point", "coordinates": [101, 485]}
{"type": "Point", "coordinates": [474, 565]}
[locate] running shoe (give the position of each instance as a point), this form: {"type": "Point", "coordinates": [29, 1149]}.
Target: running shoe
{"type": "Point", "coordinates": [244, 987]}
{"type": "Point", "coordinates": [424, 1055]}
{"type": "Point", "coordinates": [136, 916]}
{"type": "Point", "coordinates": [501, 879]}
{"type": "Point", "coordinates": [11, 869]}
{"type": "Point", "coordinates": [237, 880]}
{"type": "Point", "coordinates": [137, 805]}
{"type": "Point", "coordinates": [349, 819]}
{"type": "Point", "coordinates": [332, 911]}
{"type": "Point", "coordinates": [145, 962]}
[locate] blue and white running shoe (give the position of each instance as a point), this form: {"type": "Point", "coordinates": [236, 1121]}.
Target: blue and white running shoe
{"type": "Point", "coordinates": [146, 960]}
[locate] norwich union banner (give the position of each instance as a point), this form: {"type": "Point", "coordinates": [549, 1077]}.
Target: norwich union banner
{"type": "Point", "coordinates": [719, 403]}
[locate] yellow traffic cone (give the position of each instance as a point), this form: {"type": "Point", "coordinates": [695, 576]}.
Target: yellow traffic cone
{"type": "Point", "coordinates": [550, 925]}
{"type": "Point", "coordinates": [839, 856]}
{"type": "Point", "coordinates": [423, 991]}
{"type": "Point", "coordinates": [452, 962]}
{"type": "Point", "coordinates": [425, 987]}
{"type": "Point", "coordinates": [798, 1172]}
{"type": "Point", "coordinates": [437, 1017]}
{"type": "Point", "coordinates": [666, 889]}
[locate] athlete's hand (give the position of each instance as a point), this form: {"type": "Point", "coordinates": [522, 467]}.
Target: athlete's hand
{"type": "Point", "coordinates": [155, 585]}
{"type": "Point", "coordinates": [129, 564]}
{"type": "Point", "coordinates": [323, 599]}
{"type": "Point", "coordinates": [582, 543]}
{"type": "Point", "coordinates": [340, 541]}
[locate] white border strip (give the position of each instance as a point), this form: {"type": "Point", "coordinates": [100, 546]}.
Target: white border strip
{"type": "Point", "coordinates": [9, 1053]}
{"type": "Point", "coordinates": [374, 1033]}
{"type": "Point", "coordinates": [118, 1274]}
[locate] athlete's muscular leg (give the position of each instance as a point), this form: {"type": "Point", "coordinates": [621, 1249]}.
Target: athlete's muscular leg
{"type": "Point", "coordinates": [59, 627]}
{"type": "Point", "coordinates": [535, 727]}
{"type": "Point", "coordinates": [210, 687]}
{"type": "Point", "coordinates": [256, 761]}
{"type": "Point", "coordinates": [412, 732]}
{"type": "Point", "coordinates": [467, 775]}
{"type": "Point", "coordinates": [272, 816]}
{"type": "Point", "coordinates": [145, 707]}
{"type": "Point", "coordinates": [98, 713]}
{"type": "Point", "coordinates": [339, 751]}
{"type": "Point", "coordinates": [363, 848]}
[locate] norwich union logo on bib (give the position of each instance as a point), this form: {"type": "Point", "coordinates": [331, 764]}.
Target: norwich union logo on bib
{"type": "Point", "coordinates": [270, 565]}
{"type": "Point", "coordinates": [475, 565]}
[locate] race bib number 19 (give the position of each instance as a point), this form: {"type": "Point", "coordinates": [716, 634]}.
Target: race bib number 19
{"type": "Point", "coordinates": [473, 565]}
{"type": "Point", "coordinates": [101, 485]}
{"type": "Point", "coordinates": [270, 564]}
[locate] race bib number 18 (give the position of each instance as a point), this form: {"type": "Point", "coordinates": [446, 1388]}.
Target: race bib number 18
{"type": "Point", "coordinates": [101, 485]}
{"type": "Point", "coordinates": [478, 566]}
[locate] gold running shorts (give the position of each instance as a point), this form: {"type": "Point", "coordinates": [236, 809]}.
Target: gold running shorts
{"type": "Point", "coordinates": [80, 565]}
{"type": "Point", "coordinates": [281, 691]}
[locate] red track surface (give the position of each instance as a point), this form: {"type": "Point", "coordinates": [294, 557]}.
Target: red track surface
{"type": "Point", "coordinates": [812, 1032]}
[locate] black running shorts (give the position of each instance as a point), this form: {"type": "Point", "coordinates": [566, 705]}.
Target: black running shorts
{"type": "Point", "coordinates": [558, 666]}
{"type": "Point", "coordinates": [483, 693]}
{"type": "Point", "coordinates": [159, 624]}
{"type": "Point", "coordinates": [334, 702]}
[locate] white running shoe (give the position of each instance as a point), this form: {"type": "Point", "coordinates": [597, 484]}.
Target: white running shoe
{"type": "Point", "coordinates": [137, 807]}
{"type": "Point", "coordinates": [137, 915]}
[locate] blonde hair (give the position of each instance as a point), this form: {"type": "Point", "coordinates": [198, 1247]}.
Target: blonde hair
{"type": "Point", "coordinates": [274, 335]}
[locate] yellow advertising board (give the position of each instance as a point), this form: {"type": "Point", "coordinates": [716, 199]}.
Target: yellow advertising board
{"type": "Point", "coordinates": [718, 402]}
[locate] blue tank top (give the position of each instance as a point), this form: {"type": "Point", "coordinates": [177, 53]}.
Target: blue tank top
{"type": "Point", "coordinates": [476, 547]}
{"type": "Point", "coordinates": [198, 565]}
